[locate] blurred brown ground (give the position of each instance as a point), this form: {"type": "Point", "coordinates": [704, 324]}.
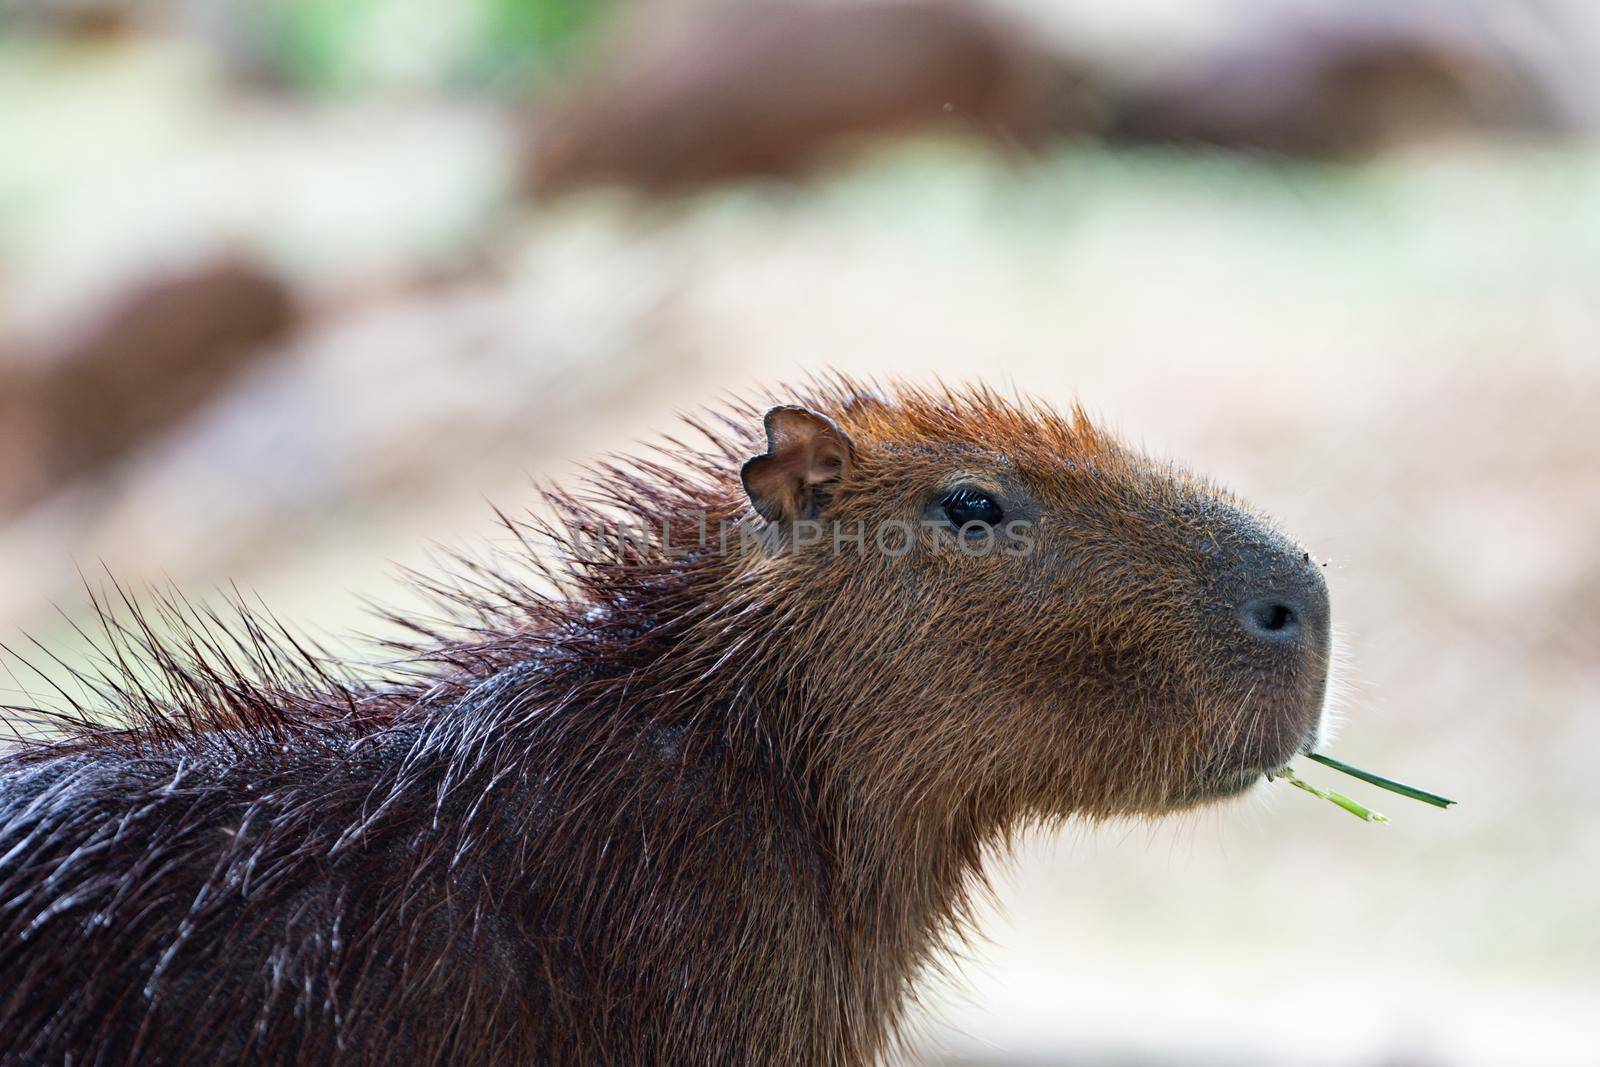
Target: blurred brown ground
{"type": "Point", "coordinates": [74, 402]}
{"type": "Point", "coordinates": [1400, 360]}
{"type": "Point", "coordinates": [781, 90]}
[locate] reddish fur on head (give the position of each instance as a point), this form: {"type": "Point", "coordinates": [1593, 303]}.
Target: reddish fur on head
{"type": "Point", "coordinates": [684, 798]}
{"type": "Point", "coordinates": [1101, 671]}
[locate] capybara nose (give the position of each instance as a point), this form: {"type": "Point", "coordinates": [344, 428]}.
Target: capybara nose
{"type": "Point", "coordinates": [1285, 603]}
{"type": "Point", "coordinates": [1279, 619]}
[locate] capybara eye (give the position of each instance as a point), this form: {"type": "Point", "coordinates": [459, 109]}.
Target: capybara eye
{"type": "Point", "coordinates": [967, 505]}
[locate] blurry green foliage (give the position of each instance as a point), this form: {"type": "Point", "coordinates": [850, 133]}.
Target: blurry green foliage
{"type": "Point", "coordinates": [347, 46]}
{"type": "Point", "coordinates": [316, 41]}
{"type": "Point", "coordinates": [520, 36]}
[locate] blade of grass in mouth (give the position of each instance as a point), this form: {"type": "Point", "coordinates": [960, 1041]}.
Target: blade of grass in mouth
{"type": "Point", "coordinates": [1359, 810]}
{"type": "Point", "coordinates": [1382, 783]}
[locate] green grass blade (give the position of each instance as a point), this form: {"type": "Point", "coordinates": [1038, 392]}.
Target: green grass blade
{"type": "Point", "coordinates": [1359, 810]}
{"type": "Point", "coordinates": [1382, 783]}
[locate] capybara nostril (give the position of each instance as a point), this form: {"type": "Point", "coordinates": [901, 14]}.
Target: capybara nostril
{"type": "Point", "coordinates": [1279, 597]}
{"type": "Point", "coordinates": [1273, 618]}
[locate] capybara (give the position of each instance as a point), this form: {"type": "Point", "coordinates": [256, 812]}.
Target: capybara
{"type": "Point", "coordinates": [704, 772]}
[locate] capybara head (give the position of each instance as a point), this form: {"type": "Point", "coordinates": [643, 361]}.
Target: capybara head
{"type": "Point", "coordinates": [1010, 607]}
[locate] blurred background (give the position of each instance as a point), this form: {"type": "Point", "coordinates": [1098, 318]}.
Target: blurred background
{"type": "Point", "coordinates": [289, 287]}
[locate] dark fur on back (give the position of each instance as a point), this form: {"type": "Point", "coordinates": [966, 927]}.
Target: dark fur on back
{"type": "Point", "coordinates": [621, 806]}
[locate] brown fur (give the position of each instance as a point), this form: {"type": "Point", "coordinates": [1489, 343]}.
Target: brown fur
{"type": "Point", "coordinates": [630, 804]}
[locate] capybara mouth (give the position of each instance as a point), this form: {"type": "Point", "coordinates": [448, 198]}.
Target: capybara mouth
{"type": "Point", "coordinates": [1236, 773]}
{"type": "Point", "coordinates": [1225, 783]}
{"type": "Point", "coordinates": [1268, 623]}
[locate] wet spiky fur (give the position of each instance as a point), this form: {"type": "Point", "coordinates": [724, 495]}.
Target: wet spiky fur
{"type": "Point", "coordinates": [623, 805]}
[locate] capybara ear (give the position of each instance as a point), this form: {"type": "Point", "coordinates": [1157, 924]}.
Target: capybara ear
{"type": "Point", "coordinates": [806, 457]}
